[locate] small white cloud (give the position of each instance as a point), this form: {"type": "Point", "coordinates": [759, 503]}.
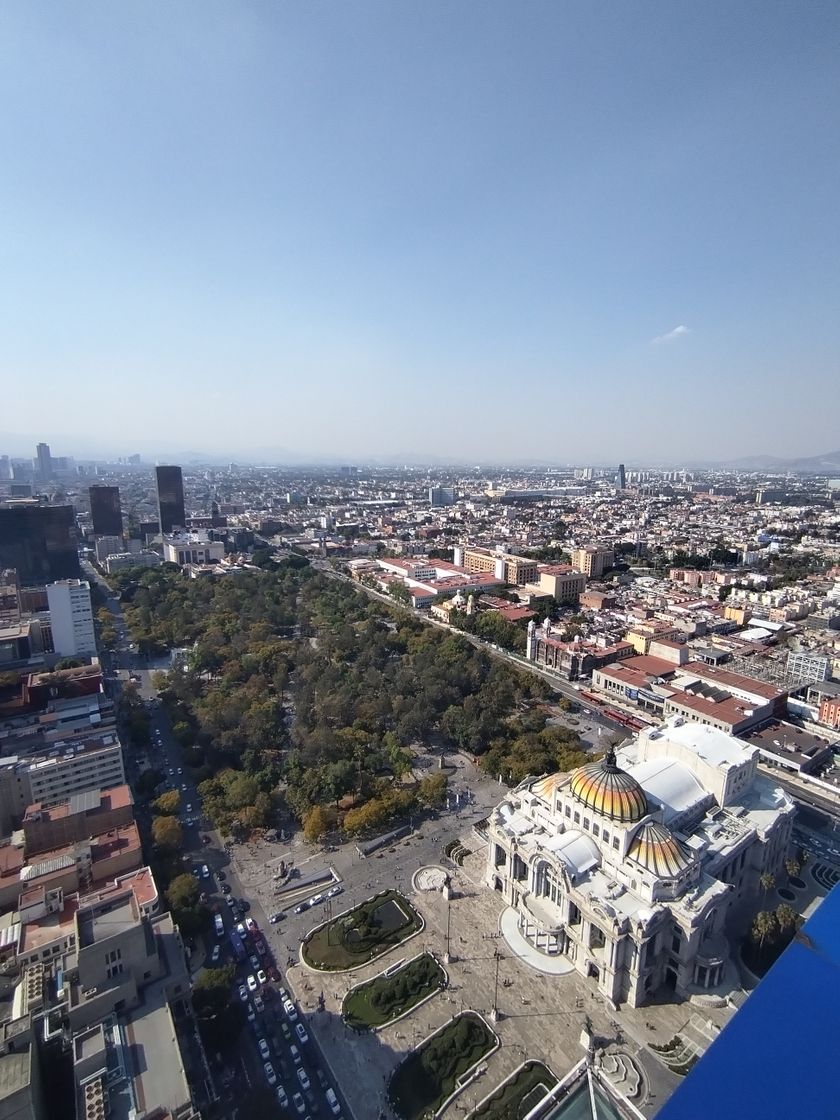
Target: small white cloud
{"type": "Point", "coordinates": [671, 336]}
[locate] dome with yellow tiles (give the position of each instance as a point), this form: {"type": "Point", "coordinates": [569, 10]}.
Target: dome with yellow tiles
{"type": "Point", "coordinates": [609, 791]}
{"type": "Point", "coordinates": [655, 849]}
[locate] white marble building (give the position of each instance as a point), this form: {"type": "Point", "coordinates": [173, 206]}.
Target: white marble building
{"type": "Point", "coordinates": [631, 866]}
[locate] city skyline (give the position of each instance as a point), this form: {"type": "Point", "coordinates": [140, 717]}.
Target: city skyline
{"type": "Point", "coordinates": [328, 232]}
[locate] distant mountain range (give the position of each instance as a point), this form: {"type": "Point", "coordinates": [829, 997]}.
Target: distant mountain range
{"type": "Point", "coordinates": [815, 464]}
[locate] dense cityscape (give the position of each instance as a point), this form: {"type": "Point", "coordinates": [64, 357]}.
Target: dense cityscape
{"type": "Point", "coordinates": [395, 792]}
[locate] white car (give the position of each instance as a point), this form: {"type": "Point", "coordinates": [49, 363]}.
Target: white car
{"type": "Point", "coordinates": [261, 976]}
{"type": "Point", "coordinates": [333, 891]}
{"type": "Point", "coordinates": [298, 1102]}
{"type": "Point", "coordinates": [251, 925]}
{"type": "Point", "coordinates": [289, 1008]}
{"type": "Point", "coordinates": [189, 809]}
{"type": "Point", "coordinates": [270, 1075]}
{"type": "Point", "coordinates": [252, 983]}
{"type": "Point", "coordinates": [332, 1101]}
{"type": "Point", "coordinates": [282, 1099]}
{"type": "Point", "coordinates": [303, 1078]}
{"type": "Point", "coordinates": [300, 1031]}
{"type": "Point", "coordinates": [180, 770]}
{"type": "Point", "coordinates": [216, 954]}
{"type": "Point", "coordinates": [315, 899]}
{"type": "Point", "coordinates": [295, 1055]}
{"type": "Point", "coordinates": [243, 993]}
{"type": "Point", "coordinates": [205, 872]}
{"type": "Point", "coordinates": [265, 1053]}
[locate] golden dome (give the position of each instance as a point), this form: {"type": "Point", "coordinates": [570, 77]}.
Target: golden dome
{"type": "Point", "coordinates": [658, 851]}
{"type": "Point", "coordinates": [604, 788]}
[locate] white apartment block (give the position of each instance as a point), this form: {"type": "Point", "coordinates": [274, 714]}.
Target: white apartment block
{"type": "Point", "coordinates": [71, 618]}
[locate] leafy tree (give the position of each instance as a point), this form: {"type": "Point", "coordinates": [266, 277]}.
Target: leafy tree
{"type": "Point", "coordinates": [168, 803]}
{"type": "Point", "coordinates": [792, 866]}
{"type": "Point", "coordinates": [167, 833]}
{"type": "Point", "coordinates": [212, 991]}
{"type": "Point", "coordinates": [182, 893]}
{"type": "Point", "coordinates": [315, 824]}
{"type": "Point", "coordinates": [432, 790]}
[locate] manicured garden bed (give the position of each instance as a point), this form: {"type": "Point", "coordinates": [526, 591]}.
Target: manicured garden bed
{"type": "Point", "coordinates": [428, 1076]}
{"type": "Point", "coordinates": [362, 934]}
{"type": "Point", "coordinates": [385, 998]}
{"type": "Point", "coordinates": [518, 1095]}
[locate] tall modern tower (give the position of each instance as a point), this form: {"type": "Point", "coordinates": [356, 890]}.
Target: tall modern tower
{"type": "Point", "coordinates": [44, 460]}
{"type": "Point", "coordinates": [170, 491]}
{"type": "Point", "coordinates": [622, 477]}
{"type": "Point", "coordinates": [105, 511]}
{"type": "Point", "coordinates": [39, 541]}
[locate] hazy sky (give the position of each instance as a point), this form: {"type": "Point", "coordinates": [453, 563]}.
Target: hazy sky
{"type": "Point", "coordinates": [465, 228]}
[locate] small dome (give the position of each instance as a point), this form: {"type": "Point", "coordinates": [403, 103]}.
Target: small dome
{"type": "Point", "coordinates": [655, 849]}
{"type": "Point", "coordinates": [604, 788]}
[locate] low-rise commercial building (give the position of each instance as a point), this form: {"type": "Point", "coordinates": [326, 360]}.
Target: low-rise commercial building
{"type": "Point", "coordinates": [593, 562]}
{"type": "Point", "coordinates": [192, 548]}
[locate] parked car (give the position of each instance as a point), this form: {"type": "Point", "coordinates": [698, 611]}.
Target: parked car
{"type": "Point", "coordinates": [295, 1055]}
{"type": "Point", "coordinates": [333, 891]}
{"type": "Point", "coordinates": [251, 925]}
{"type": "Point", "coordinates": [301, 906]}
{"type": "Point", "coordinates": [258, 1003]}
{"type": "Point", "coordinates": [215, 956]}
{"type": "Point", "coordinates": [225, 888]}
{"type": "Point", "coordinates": [332, 1101]}
{"type": "Point", "coordinates": [255, 961]}
{"type": "Point", "coordinates": [282, 1098]}
{"type": "Point", "coordinates": [265, 1052]}
{"type": "Point", "coordinates": [243, 993]}
{"type": "Point", "coordinates": [289, 1008]}
{"type": "Point", "coordinates": [261, 977]}
{"type": "Point", "coordinates": [303, 1078]}
{"type": "Point", "coordinates": [300, 1031]}
{"type": "Point", "coordinates": [270, 1075]}
{"type": "Point", "coordinates": [252, 983]}
{"type": "Point", "coordinates": [205, 871]}
{"type": "Point", "coordinates": [297, 1101]}
{"type": "Point", "coordinates": [287, 1031]}
{"type": "Point", "coordinates": [277, 916]}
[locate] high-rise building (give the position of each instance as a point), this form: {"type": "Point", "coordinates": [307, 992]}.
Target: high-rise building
{"type": "Point", "coordinates": [593, 562]}
{"type": "Point", "coordinates": [170, 492]}
{"type": "Point", "coordinates": [105, 511]}
{"type": "Point", "coordinates": [622, 477]}
{"type": "Point", "coordinates": [38, 540]}
{"type": "Point", "coordinates": [71, 618]}
{"type": "Point", "coordinates": [441, 496]}
{"type": "Point", "coordinates": [44, 461]}
{"type": "Point", "coordinates": [5, 468]}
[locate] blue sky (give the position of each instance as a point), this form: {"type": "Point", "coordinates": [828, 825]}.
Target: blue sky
{"type": "Point", "coordinates": [467, 229]}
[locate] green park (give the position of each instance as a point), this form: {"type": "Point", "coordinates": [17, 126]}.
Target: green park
{"type": "Point", "coordinates": [384, 998]}
{"type": "Point", "coordinates": [430, 1074]}
{"type": "Point", "coordinates": [515, 1097]}
{"type": "Point", "coordinates": [362, 934]}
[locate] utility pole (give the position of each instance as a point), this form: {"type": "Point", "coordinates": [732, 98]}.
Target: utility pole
{"type": "Point", "coordinates": [448, 955]}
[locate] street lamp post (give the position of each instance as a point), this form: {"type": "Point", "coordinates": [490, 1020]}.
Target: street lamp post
{"type": "Point", "coordinates": [494, 1014]}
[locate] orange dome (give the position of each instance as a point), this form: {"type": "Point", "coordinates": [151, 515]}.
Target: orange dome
{"type": "Point", "coordinates": [655, 849]}
{"type": "Point", "coordinates": [609, 791]}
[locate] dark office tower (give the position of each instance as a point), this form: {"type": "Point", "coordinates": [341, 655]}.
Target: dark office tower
{"type": "Point", "coordinates": [170, 489]}
{"type": "Point", "coordinates": [44, 460]}
{"type": "Point", "coordinates": [39, 541]}
{"type": "Point", "coordinates": [622, 477]}
{"type": "Point", "coordinates": [105, 511]}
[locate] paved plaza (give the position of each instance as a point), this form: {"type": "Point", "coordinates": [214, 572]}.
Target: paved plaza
{"type": "Point", "coordinates": [541, 1013]}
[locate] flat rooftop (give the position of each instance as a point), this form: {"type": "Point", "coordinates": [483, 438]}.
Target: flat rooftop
{"type": "Point", "coordinates": [44, 931]}
{"type": "Point", "coordinates": [100, 922]}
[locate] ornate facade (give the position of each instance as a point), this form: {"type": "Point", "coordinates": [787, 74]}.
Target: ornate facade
{"type": "Point", "coordinates": [631, 866]}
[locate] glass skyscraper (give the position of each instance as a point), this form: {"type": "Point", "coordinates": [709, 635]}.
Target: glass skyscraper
{"type": "Point", "coordinates": [105, 511]}
{"type": "Point", "coordinates": [39, 542]}
{"type": "Point", "coordinates": [170, 491]}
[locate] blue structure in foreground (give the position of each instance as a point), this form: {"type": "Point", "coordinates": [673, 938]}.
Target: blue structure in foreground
{"type": "Point", "coordinates": [779, 1057]}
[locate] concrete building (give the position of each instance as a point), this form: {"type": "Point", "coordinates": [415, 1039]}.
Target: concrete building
{"type": "Point", "coordinates": [631, 867]}
{"type": "Point", "coordinates": [806, 667]}
{"type": "Point", "coordinates": [441, 496]}
{"type": "Point", "coordinates": [563, 583]}
{"type": "Point", "coordinates": [192, 548]}
{"type": "Point", "coordinates": [71, 618]}
{"type": "Point", "coordinates": [76, 818]}
{"type": "Point", "coordinates": [514, 570]}
{"type": "Point", "coordinates": [108, 546]}
{"type": "Point", "coordinates": [145, 558]}
{"type": "Point", "coordinates": [593, 562]}
{"type": "Point", "coordinates": [56, 776]}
